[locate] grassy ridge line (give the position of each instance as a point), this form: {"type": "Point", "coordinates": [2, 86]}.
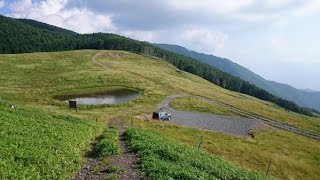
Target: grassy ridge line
{"type": "Point", "coordinates": [109, 143]}
{"type": "Point", "coordinates": [162, 158]}
{"type": "Point", "coordinates": [40, 145]}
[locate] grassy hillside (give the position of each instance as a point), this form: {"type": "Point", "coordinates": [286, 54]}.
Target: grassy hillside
{"type": "Point", "coordinates": [29, 78]}
{"type": "Point", "coordinates": [29, 36]}
{"type": "Point", "coordinates": [38, 144]}
{"type": "Point", "coordinates": [34, 79]}
{"type": "Point", "coordinates": [197, 105]}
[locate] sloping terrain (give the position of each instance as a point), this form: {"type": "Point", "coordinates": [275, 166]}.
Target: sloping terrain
{"type": "Point", "coordinates": [301, 97]}
{"type": "Point", "coordinates": [45, 26]}
{"type": "Point", "coordinates": [167, 159]}
{"type": "Point", "coordinates": [34, 79]}
{"type": "Point", "coordinates": [39, 144]}
{"type": "Point", "coordinates": [28, 36]}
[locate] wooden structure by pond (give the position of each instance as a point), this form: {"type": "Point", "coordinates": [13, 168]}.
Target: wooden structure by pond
{"type": "Point", "coordinates": [73, 105]}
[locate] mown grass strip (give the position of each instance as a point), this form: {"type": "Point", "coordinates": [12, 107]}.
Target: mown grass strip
{"type": "Point", "coordinates": [162, 158]}
{"type": "Point", "coordinates": [36, 144]}
{"type": "Point", "coordinates": [109, 143]}
{"type": "Point", "coordinates": [198, 105]}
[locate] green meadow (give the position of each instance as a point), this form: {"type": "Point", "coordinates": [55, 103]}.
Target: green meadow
{"type": "Point", "coordinates": [38, 144]}
{"type": "Point", "coordinates": [33, 80]}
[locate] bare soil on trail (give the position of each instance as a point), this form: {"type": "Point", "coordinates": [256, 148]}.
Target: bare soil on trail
{"type": "Point", "coordinates": [92, 169]}
{"type": "Point", "coordinates": [126, 161]}
{"type": "Point", "coordinates": [124, 166]}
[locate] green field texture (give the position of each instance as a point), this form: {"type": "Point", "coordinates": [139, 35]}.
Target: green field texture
{"type": "Point", "coordinates": [37, 144]}
{"type": "Point", "coordinates": [35, 78]}
{"type": "Point", "coordinates": [32, 80]}
{"type": "Point", "coordinates": [162, 158]}
{"type": "Point", "coordinates": [292, 156]}
{"type": "Point", "coordinates": [198, 105]}
{"type": "Point", "coordinates": [108, 143]}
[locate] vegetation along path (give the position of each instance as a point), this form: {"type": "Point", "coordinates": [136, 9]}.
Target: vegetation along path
{"type": "Point", "coordinates": [112, 160]}
{"type": "Point", "coordinates": [239, 126]}
{"type": "Point", "coordinates": [126, 161]}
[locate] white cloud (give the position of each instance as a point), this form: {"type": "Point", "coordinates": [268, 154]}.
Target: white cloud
{"type": "Point", "coordinates": [2, 4]}
{"type": "Point", "coordinates": [150, 36]}
{"type": "Point", "coordinates": [84, 21]}
{"type": "Point", "coordinates": [195, 38]}
{"type": "Point", "coordinates": [312, 6]}
{"type": "Point", "coordinates": [213, 6]}
{"type": "Point", "coordinates": [54, 12]}
{"type": "Point", "coordinates": [20, 6]}
{"type": "Point", "coordinates": [277, 3]}
{"type": "Point", "coordinates": [246, 11]}
{"type": "Point", "coordinates": [203, 40]}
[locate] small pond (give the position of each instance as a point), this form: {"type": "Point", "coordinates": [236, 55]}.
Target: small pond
{"type": "Point", "coordinates": [109, 97]}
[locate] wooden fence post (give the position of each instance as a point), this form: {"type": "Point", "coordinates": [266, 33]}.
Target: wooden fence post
{"type": "Point", "coordinates": [200, 142]}
{"type": "Point", "coordinates": [268, 168]}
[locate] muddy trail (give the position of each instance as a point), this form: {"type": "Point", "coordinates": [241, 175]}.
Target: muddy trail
{"type": "Point", "coordinates": [123, 166]}
{"type": "Point", "coordinates": [238, 126]}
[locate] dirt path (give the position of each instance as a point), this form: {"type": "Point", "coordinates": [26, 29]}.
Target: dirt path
{"type": "Point", "coordinates": [92, 169]}
{"type": "Point", "coordinates": [95, 61]}
{"type": "Point", "coordinates": [239, 126]}
{"type": "Point", "coordinates": [123, 166]}
{"type": "Point", "coordinates": [126, 161]}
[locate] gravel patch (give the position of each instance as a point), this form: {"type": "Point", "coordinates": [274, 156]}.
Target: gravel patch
{"type": "Point", "coordinates": [231, 125]}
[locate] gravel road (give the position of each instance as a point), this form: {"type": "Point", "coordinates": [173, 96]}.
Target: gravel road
{"type": "Point", "coordinates": [238, 126]}
{"type": "Point", "coordinates": [231, 125]}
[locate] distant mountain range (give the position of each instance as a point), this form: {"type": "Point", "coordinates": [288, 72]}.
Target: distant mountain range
{"type": "Point", "coordinates": [306, 98]}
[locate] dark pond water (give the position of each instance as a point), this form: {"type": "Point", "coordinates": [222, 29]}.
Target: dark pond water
{"type": "Point", "coordinates": [110, 97]}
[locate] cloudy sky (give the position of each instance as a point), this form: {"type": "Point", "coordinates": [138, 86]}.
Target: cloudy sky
{"type": "Point", "coordinates": [277, 39]}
